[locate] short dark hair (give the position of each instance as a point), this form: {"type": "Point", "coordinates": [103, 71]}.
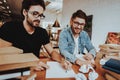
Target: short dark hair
{"type": "Point", "coordinates": [27, 3]}
{"type": "Point", "coordinates": [80, 14]}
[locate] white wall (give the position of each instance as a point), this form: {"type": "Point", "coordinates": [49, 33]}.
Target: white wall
{"type": "Point", "coordinates": [50, 18]}
{"type": "Point", "coordinates": [106, 16]}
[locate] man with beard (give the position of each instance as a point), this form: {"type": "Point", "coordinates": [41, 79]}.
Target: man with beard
{"type": "Point", "coordinates": [28, 35]}
{"type": "Point", "coordinates": [74, 39]}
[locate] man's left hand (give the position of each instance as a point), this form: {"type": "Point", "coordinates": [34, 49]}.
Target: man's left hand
{"type": "Point", "coordinates": [88, 56]}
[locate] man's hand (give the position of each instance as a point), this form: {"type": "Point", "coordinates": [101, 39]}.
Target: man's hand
{"type": "Point", "coordinates": [66, 65]}
{"type": "Point", "coordinates": [81, 62]}
{"type": "Point", "coordinates": [88, 56]}
{"type": "Point", "coordinates": [56, 56]}
{"type": "Point", "coordinates": [85, 62]}
{"type": "Point", "coordinates": [41, 66]}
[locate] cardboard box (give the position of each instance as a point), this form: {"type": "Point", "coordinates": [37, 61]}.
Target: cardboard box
{"type": "Point", "coordinates": [110, 74]}
{"type": "Point", "coordinates": [109, 77]}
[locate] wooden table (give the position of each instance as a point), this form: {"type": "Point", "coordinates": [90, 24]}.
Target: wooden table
{"type": "Point", "coordinates": [41, 74]}
{"type": "Point", "coordinates": [18, 63]}
{"type": "Point", "coordinates": [9, 62]}
{"type": "Point", "coordinates": [4, 43]}
{"type": "Point", "coordinates": [10, 50]}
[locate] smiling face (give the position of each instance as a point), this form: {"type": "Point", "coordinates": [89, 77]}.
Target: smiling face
{"type": "Point", "coordinates": [77, 25]}
{"type": "Point", "coordinates": [33, 15]}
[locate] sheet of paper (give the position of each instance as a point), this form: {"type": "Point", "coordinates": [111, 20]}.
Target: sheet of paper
{"type": "Point", "coordinates": [56, 71]}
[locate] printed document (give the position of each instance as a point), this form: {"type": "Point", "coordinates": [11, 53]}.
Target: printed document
{"type": "Point", "coordinates": [56, 71]}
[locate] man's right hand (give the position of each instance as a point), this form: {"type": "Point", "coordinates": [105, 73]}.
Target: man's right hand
{"type": "Point", "coordinates": [41, 66]}
{"type": "Point", "coordinates": [66, 65]}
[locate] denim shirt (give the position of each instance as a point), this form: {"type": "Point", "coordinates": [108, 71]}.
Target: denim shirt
{"type": "Point", "coordinates": [66, 44]}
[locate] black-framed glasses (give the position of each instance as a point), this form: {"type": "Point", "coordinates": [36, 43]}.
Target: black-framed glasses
{"type": "Point", "coordinates": [78, 24]}
{"type": "Point", "coordinates": [36, 14]}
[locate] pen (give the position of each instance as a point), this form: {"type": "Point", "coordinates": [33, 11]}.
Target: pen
{"type": "Point", "coordinates": [66, 64]}
{"type": "Point", "coordinates": [66, 71]}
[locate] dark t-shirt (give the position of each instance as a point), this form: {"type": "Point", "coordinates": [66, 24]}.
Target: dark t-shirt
{"type": "Point", "coordinates": [15, 32]}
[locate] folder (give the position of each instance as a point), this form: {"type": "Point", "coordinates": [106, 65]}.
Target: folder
{"type": "Point", "coordinates": [112, 65]}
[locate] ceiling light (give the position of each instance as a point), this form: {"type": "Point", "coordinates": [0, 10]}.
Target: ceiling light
{"type": "Point", "coordinates": [9, 11]}
{"type": "Point", "coordinates": [4, 1]}
{"type": "Point", "coordinates": [7, 7]}
{"type": "Point", "coordinates": [1, 2]}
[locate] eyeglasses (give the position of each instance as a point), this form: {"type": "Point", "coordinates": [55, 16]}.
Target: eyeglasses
{"type": "Point", "coordinates": [36, 14]}
{"type": "Point", "coordinates": [77, 23]}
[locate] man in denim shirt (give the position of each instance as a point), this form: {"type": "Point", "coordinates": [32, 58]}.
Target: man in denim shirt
{"type": "Point", "coordinates": [74, 39]}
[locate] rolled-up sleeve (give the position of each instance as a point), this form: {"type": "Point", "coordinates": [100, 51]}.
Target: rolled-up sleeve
{"type": "Point", "coordinates": [63, 46]}
{"type": "Point", "coordinates": [89, 46]}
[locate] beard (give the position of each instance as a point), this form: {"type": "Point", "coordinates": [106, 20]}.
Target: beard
{"type": "Point", "coordinates": [34, 23]}
{"type": "Point", "coordinates": [77, 30]}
